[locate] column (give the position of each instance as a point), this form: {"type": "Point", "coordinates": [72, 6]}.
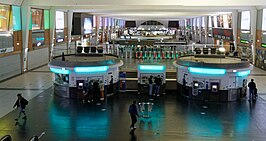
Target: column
{"type": "Point", "coordinates": [234, 26]}
{"type": "Point", "coordinates": [253, 27]}
{"type": "Point", "coordinates": [52, 29]}
{"type": "Point", "coordinates": [69, 27]}
{"type": "Point", "coordinates": [206, 29]}
{"type": "Point", "coordinates": [26, 25]}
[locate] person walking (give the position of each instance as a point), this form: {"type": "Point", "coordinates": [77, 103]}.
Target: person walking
{"type": "Point", "coordinates": [158, 82]}
{"type": "Point", "coordinates": [96, 90]}
{"type": "Point", "coordinates": [112, 85]}
{"type": "Point", "coordinates": [133, 114]}
{"type": "Point", "coordinates": [21, 104]}
{"type": "Point", "coordinates": [150, 85]}
{"type": "Point", "coordinates": [252, 88]}
{"type": "Point", "coordinates": [102, 90]}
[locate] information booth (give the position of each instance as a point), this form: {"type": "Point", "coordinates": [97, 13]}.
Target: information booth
{"type": "Point", "coordinates": [145, 72]}
{"type": "Point", "coordinates": [79, 74]}
{"type": "Point", "coordinates": [212, 78]}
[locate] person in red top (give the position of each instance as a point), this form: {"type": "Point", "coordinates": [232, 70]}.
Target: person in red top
{"type": "Point", "coordinates": [21, 104]}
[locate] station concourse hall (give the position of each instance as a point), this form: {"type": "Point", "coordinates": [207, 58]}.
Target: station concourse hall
{"type": "Point", "coordinates": [121, 70]}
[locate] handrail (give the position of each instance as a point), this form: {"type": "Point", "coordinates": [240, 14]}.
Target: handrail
{"type": "Point", "coordinates": [37, 138]}
{"type": "Point", "coordinates": [6, 138]}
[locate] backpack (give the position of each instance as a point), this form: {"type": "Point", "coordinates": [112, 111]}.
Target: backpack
{"type": "Point", "coordinates": [130, 109]}
{"type": "Point", "coordinates": [26, 102]}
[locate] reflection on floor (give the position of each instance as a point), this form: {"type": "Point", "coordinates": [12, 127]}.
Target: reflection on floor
{"type": "Point", "coordinates": [171, 118]}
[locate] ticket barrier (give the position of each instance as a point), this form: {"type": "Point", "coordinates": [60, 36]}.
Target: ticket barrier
{"type": "Point", "coordinates": [163, 53]}
{"type": "Point", "coordinates": [150, 53]}
{"type": "Point", "coordinates": [137, 53]}
{"type": "Point", "coordinates": [145, 109]}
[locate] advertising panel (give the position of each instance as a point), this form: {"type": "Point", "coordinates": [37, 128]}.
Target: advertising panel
{"type": "Point", "coordinates": [59, 20]}
{"type": "Point", "coordinates": [225, 21]}
{"type": "Point", "coordinates": [87, 25]}
{"type": "Point", "coordinates": [245, 20]}
{"type": "Point", "coordinates": [264, 20]}
{"type": "Point", "coordinates": [225, 34]}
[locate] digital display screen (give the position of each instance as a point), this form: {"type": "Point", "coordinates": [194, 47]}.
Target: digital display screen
{"type": "Point", "coordinates": [214, 86]}
{"type": "Point", "coordinates": [198, 22]}
{"type": "Point", "coordinates": [87, 25]}
{"type": "Point", "coordinates": [100, 21]}
{"type": "Point", "coordinates": [94, 21]}
{"type": "Point", "coordinates": [210, 21]}
{"type": "Point", "coordinates": [105, 22]}
{"type": "Point", "coordinates": [225, 21]}
{"type": "Point", "coordinates": [109, 22]}
{"type": "Point", "coordinates": [214, 21]}
{"type": "Point", "coordinates": [203, 21]}
{"type": "Point", "coordinates": [59, 20]}
{"type": "Point", "coordinates": [245, 20]}
{"type": "Point", "coordinates": [229, 19]}
{"type": "Point", "coordinates": [264, 20]}
{"type": "Point", "coordinates": [80, 84]}
{"type": "Point", "coordinates": [196, 84]}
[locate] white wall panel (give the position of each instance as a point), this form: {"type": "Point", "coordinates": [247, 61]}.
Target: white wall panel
{"type": "Point", "coordinates": [10, 66]}
{"type": "Point", "coordinates": [38, 58]}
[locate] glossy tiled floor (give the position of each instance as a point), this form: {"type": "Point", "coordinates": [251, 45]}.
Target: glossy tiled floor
{"type": "Point", "coordinates": [171, 118]}
{"type": "Point", "coordinates": [29, 84]}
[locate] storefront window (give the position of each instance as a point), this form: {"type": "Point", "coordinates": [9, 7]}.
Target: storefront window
{"type": "Point", "coordinates": [6, 37]}
{"type": "Point", "coordinates": [37, 19]}
{"type": "Point", "coordinates": [4, 17]}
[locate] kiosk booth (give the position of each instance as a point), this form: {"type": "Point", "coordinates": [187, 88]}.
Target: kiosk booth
{"type": "Point", "coordinates": [211, 78]}
{"type": "Point", "coordinates": [144, 73]}
{"type": "Point", "coordinates": [82, 73]}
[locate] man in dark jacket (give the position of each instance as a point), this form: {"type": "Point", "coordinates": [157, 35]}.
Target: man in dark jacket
{"type": "Point", "coordinates": [158, 83]}
{"type": "Point", "coordinates": [21, 104]}
{"type": "Point", "coordinates": [252, 88]}
{"type": "Point", "coordinates": [133, 114]}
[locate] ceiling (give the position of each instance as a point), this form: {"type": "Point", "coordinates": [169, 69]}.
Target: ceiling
{"type": "Point", "coordinates": [147, 9]}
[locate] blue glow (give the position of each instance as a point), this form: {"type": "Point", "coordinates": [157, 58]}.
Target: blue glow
{"type": "Point", "coordinates": [91, 69]}
{"type": "Point", "coordinates": [243, 73]}
{"type": "Point", "coordinates": [60, 71]}
{"type": "Point", "coordinates": [151, 67]}
{"type": "Point", "coordinates": [40, 39]}
{"type": "Point", "coordinates": [207, 71]}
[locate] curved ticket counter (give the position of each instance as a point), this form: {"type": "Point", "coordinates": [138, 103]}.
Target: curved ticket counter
{"type": "Point", "coordinates": [76, 74]}
{"type": "Point", "coordinates": [212, 78]}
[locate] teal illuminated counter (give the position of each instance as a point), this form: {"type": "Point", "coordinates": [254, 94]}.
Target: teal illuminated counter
{"type": "Point", "coordinates": [211, 78]}
{"type": "Point", "coordinates": [79, 74]}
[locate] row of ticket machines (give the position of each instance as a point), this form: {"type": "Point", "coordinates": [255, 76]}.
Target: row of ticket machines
{"type": "Point", "coordinates": [153, 52]}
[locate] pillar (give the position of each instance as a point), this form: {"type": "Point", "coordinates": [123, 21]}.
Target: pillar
{"type": "Point", "coordinates": [25, 26]}
{"type": "Point", "coordinates": [253, 27]}
{"type": "Point", "coordinates": [69, 27]}
{"type": "Point", "coordinates": [52, 30]}
{"type": "Point", "coordinates": [234, 26]}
